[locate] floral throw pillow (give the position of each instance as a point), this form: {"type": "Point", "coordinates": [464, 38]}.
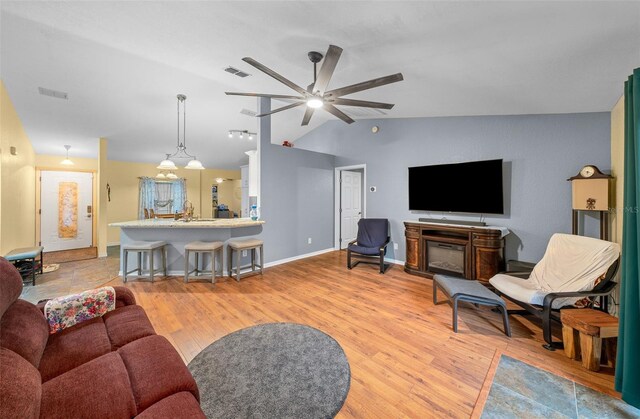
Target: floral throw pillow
{"type": "Point", "coordinates": [64, 312]}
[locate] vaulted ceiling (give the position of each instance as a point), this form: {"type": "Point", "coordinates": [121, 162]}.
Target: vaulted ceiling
{"type": "Point", "coordinates": [123, 63]}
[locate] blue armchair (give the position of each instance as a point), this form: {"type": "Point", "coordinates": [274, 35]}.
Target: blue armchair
{"type": "Point", "coordinates": [371, 244]}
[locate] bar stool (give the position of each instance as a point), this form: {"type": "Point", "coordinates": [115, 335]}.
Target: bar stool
{"type": "Point", "coordinates": [215, 248]}
{"type": "Point", "coordinates": [142, 247]}
{"type": "Point", "coordinates": [238, 246]}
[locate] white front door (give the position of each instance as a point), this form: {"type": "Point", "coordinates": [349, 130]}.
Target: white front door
{"type": "Point", "coordinates": [66, 205]}
{"type": "Point", "coordinates": [350, 205]}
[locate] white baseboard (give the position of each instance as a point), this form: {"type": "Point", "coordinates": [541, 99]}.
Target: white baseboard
{"type": "Point", "coordinates": [291, 259]}
{"type": "Point", "coordinates": [113, 244]}
{"type": "Point", "coordinates": [395, 261]}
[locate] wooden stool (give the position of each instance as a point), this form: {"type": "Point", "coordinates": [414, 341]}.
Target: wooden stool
{"type": "Point", "coordinates": [238, 246]}
{"type": "Point", "coordinates": [141, 248]}
{"type": "Point", "coordinates": [592, 326]}
{"type": "Point", "coordinates": [215, 248]}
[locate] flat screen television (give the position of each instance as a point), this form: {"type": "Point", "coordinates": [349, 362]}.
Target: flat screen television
{"type": "Point", "coordinates": [474, 187]}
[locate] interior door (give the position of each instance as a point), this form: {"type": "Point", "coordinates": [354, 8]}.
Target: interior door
{"type": "Point", "coordinates": [66, 210]}
{"type": "Point", "coordinates": [350, 205]}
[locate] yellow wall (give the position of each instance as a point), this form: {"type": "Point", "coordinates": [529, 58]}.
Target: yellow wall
{"type": "Point", "coordinates": [122, 177]}
{"type": "Point", "coordinates": [17, 180]}
{"type": "Point", "coordinates": [53, 162]}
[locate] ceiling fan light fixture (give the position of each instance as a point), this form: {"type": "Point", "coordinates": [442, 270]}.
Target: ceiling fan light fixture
{"type": "Point", "coordinates": [161, 176]}
{"type": "Point", "coordinates": [194, 164]}
{"type": "Point", "coordinates": [172, 175]}
{"type": "Point", "coordinates": [313, 96]}
{"type": "Point", "coordinates": [315, 102]}
{"type": "Point", "coordinates": [219, 180]}
{"type": "Point", "coordinates": [230, 134]}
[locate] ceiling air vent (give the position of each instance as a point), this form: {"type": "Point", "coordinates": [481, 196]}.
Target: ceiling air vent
{"type": "Point", "coordinates": [52, 93]}
{"type": "Point", "coordinates": [358, 112]}
{"type": "Point", "coordinates": [248, 112]}
{"type": "Point", "coordinates": [236, 72]}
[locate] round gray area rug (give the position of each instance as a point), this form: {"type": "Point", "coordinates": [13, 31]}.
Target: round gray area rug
{"type": "Point", "coordinates": [274, 370]}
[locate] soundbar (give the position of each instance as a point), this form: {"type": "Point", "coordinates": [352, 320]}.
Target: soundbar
{"type": "Point", "coordinates": [459, 222]}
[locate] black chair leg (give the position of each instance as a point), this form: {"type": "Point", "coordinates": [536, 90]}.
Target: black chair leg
{"type": "Point", "coordinates": [435, 292]}
{"type": "Point", "coordinates": [349, 259]}
{"type": "Point", "coordinates": [505, 320]}
{"type": "Point", "coordinates": [455, 314]}
{"type": "Point", "coordinates": [381, 262]}
{"type": "Point", "coordinates": [547, 333]}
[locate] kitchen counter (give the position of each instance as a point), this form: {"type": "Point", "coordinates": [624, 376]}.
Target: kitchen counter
{"type": "Point", "coordinates": [178, 233]}
{"type": "Point", "coordinates": [201, 223]}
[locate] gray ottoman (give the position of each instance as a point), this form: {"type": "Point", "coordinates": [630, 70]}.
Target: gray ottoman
{"type": "Point", "coordinates": [460, 289]}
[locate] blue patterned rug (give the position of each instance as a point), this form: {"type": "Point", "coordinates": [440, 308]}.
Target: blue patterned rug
{"type": "Point", "coordinates": [520, 390]}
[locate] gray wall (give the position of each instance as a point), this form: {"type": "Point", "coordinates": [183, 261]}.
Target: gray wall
{"type": "Point", "coordinates": [540, 152]}
{"type": "Point", "coordinates": [296, 197]}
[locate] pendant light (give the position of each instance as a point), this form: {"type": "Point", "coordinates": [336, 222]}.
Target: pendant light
{"type": "Point", "coordinates": [167, 164]}
{"type": "Point", "coordinates": [66, 161]}
{"type": "Point", "coordinates": [181, 148]}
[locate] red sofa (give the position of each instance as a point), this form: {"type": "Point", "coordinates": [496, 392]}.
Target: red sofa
{"type": "Point", "coordinates": [114, 366]}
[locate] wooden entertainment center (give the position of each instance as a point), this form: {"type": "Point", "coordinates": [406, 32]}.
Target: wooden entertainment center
{"type": "Point", "coordinates": [471, 252]}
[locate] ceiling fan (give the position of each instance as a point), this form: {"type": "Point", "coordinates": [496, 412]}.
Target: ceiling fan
{"type": "Point", "coordinates": [316, 96]}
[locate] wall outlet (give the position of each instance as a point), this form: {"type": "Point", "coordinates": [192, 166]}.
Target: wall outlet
{"type": "Point", "coordinates": [395, 246]}
{"type": "Point", "coordinates": [244, 253]}
{"type": "Point", "coordinates": [309, 240]}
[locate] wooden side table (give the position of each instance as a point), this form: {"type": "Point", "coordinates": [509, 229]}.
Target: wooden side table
{"type": "Point", "coordinates": [582, 333]}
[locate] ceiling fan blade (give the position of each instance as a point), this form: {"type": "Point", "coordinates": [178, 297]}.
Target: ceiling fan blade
{"type": "Point", "coordinates": [264, 95]}
{"type": "Point", "coordinates": [275, 75]}
{"type": "Point", "coordinates": [307, 116]}
{"type": "Point", "coordinates": [326, 71]}
{"type": "Point", "coordinates": [337, 112]}
{"type": "Point", "coordinates": [362, 103]}
{"type": "Point", "coordinates": [365, 85]}
{"type": "Point", "coordinates": [284, 108]}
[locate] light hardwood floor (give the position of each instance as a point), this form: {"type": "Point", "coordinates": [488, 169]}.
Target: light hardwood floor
{"type": "Point", "coordinates": [405, 359]}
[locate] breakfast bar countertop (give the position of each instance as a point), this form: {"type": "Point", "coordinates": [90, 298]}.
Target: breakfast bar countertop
{"type": "Point", "coordinates": [200, 223]}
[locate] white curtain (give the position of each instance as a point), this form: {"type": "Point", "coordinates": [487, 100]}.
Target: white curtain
{"type": "Point", "coordinates": [163, 198]}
